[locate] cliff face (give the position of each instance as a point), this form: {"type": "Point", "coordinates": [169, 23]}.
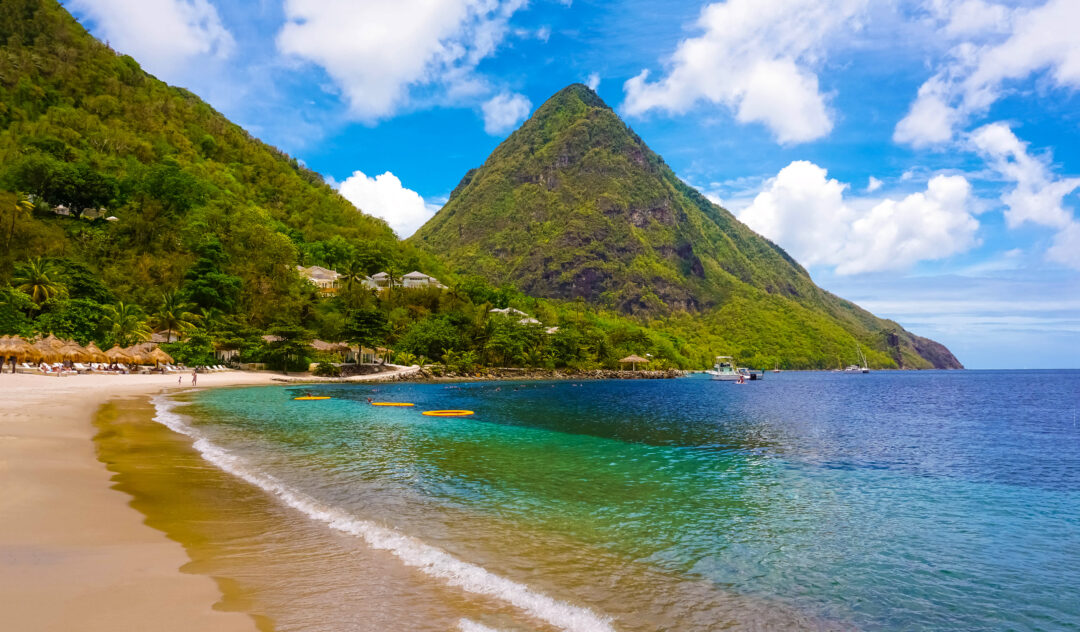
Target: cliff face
{"type": "Point", "coordinates": [574, 205]}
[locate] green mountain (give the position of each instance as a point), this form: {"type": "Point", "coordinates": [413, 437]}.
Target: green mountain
{"type": "Point", "coordinates": [574, 205]}
{"type": "Point", "coordinates": [86, 128]}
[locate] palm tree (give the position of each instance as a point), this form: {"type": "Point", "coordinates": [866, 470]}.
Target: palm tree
{"type": "Point", "coordinates": [174, 315]}
{"type": "Point", "coordinates": [352, 274]}
{"type": "Point", "coordinates": [125, 324]}
{"type": "Point", "coordinates": [21, 206]}
{"type": "Point", "coordinates": [33, 278]}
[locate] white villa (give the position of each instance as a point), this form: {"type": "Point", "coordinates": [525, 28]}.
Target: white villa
{"type": "Point", "coordinates": [511, 312]}
{"type": "Point", "coordinates": [414, 279]}
{"type": "Point", "coordinates": [325, 280]}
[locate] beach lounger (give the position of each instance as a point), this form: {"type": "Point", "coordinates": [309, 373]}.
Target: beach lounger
{"type": "Point", "coordinates": [81, 368]}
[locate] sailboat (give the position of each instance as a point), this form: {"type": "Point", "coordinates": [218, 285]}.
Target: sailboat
{"type": "Point", "coordinates": [776, 369]}
{"type": "Point", "coordinates": [855, 368]}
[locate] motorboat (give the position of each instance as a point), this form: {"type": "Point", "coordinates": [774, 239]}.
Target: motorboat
{"type": "Point", "coordinates": [724, 369]}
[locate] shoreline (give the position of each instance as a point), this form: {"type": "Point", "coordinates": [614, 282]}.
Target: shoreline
{"type": "Point", "coordinates": [74, 553]}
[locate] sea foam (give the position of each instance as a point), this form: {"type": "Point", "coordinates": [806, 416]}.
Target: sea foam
{"type": "Point", "coordinates": [413, 552]}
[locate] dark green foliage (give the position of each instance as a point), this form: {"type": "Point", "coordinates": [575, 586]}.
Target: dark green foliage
{"type": "Point", "coordinates": [207, 285]}
{"type": "Point", "coordinates": [79, 319]}
{"type": "Point", "coordinates": [367, 327]}
{"type": "Point", "coordinates": [327, 369]}
{"type": "Point", "coordinates": [15, 308]}
{"type": "Point", "coordinates": [81, 281]}
{"type": "Point", "coordinates": [291, 351]}
{"type": "Point", "coordinates": [196, 350]}
{"type": "Point", "coordinates": [433, 336]}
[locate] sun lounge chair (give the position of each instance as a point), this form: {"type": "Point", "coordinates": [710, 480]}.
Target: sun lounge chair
{"type": "Point", "coordinates": [81, 368]}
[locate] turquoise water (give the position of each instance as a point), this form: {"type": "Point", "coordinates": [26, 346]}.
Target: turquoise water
{"type": "Point", "coordinates": [915, 500]}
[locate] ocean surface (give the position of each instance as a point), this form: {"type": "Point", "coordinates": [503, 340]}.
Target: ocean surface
{"type": "Point", "coordinates": [888, 501]}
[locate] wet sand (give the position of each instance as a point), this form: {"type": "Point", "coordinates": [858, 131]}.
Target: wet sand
{"type": "Point", "coordinates": [74, 555]}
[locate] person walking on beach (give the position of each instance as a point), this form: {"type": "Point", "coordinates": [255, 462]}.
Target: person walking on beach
{"type": "Point", "coordinates": [179, 379]}
{"type": "Point", "coordinates": [194, 377]}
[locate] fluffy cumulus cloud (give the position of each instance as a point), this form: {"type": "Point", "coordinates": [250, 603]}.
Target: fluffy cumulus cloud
{"type": "Point", "coordinates": [755, 57]}
{"type": "Point", "coordinates": [808, 213]}
{"type": "Point", "coordinates": [377, 52]}
{"type": "Point", "coordinates": [162, 34]}
{"type": "Point", "coordinates": [504, 111]}
{"type": "Point", "coordinates": [994, 45]}
{"type": "Point", "coordinates": [1038, 196]}
{"type": "Point", "coordinates": [384, 196]}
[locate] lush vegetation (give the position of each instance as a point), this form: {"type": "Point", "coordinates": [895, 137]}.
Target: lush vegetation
{"type": "Point", "coordinates": [128, 206]}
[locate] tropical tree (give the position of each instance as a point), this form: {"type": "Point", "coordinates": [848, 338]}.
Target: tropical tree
{"type": "Point", "coordinates": [352, 275]}
{"type": "Point", "coordinates": [21, 206]}
{"type": "Point", "coordinates": [174, 314]}
{"type": "Point", "coordinates": [125, 324]}
{"type": "Point", "coordinates": [35, 279]}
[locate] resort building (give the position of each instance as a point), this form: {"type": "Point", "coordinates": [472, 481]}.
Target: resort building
{"type": "Point", "coordinates": [325, 280]}
{"type": "Point", "coordinates": [510, 311]}
{"type": "Point", "coordinates": [414, 279]}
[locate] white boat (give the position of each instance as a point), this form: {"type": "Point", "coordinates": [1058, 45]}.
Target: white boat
{"type": "Point", "coordinates": [724, 370]}
{"type": "Point", "coordinates": [855, 368]}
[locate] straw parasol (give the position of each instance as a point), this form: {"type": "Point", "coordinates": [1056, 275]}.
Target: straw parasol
{"type": "Point", "coordinates": [116, 354]}
{"type": "Point", "coordinates": [95, 354]}
{"type": "Point", "coordinates": [48, 352]}
{"type": "Point", "coordinates": [54, 342]}
{"type": "Point", "coordinates": [75, 352]}
{"type": "Point", "coordinates": [21, 349]}
{"type": "Point", "coordinates": [634, 360]}
{"type": "Point", "coordinates": [159, 356]}
{"type": "Point", "coordinates": [138, 354]}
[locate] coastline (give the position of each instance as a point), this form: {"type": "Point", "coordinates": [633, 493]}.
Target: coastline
{"type": "Point", "coordinates": [74, 554]}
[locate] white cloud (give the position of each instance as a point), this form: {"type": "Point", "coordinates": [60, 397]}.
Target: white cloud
{"type": "Point", "coordinates": [384, 196]}
{"type": "Point", "coordinates": [755, 57]}
{"type": "Point", "coordinates": [504, 111]}
{"type": "Point", "coordinates": [1034, 40]}
{"type": "Point", "coordinates": [376, 52]}
{"type": "Point", "coordinates": [593, 81]}
{"type": "Point", "coordinates": [1038, 197]}
{"type": "Point", "coordinates": [163, 35]}
{"type": "Point", "coordinates": [873, 184]}
{"type": "Point", "coordinates": [805, 212]}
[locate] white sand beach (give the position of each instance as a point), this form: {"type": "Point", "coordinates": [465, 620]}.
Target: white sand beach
{"type": "Point", "coordinates": [73, 554]}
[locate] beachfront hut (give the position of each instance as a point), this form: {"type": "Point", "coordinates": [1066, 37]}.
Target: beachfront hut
{"type": "Point", "coordinates": [116, 354]}
{"type": "Point", "coordinates": [21, 350]}
{"type": "Point", "coordinates": [138, 354]}
{"type": "Point", "coordinates": [95, 353]}
{"type": "Point", "coordinates": [74, 352]}
{"type": "Point", "coordinates": [633, 361]}
{"type": "Point", "coordinates": [341, 349]}
{"type": "Point", "coordinates": [160, 357]}
{"type": "Point", "coordinates": [49, 353]}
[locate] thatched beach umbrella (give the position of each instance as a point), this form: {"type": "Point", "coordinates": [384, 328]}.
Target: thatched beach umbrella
{"type": "Point", "coordinates": [138, 355]}
{"type": "Point", "coordinates": [49, 353]}
{"type": "Point", "coordinates": [22, 350]}
{"type": "Point", "coordinates": [159, 356]}
{"type": "Point", "coordinates": [54, 342]}
{"type": "Point", "coordinates": [116, 354]}
{"type": "Point", "coordinates": [634, 360]}
{"type": "Point", "coordinates": [75, 352]}
{"type": "Point", "coordinates": [95, 354]}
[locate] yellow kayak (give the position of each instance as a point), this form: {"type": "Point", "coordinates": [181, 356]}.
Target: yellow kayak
{"type": "Point", "coordinates": [448, 413]}
{"type": "Point", "coordinates": [309, 397]}
{"type": "Point", "coordinates": [391, 404]}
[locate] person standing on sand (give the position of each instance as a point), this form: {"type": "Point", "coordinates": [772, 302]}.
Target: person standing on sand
{"type": "Point", "coordinates": [179, 379]}
{"type": "Point", "coordinates": [194, 377]}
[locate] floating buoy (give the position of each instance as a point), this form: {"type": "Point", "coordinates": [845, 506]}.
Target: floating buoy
{"type": "Point", "coordinates": [310, 397]}
{"type": "Point", "coordinates": [448, 413]}
{"type": "Point", "coordinates": [391, 404]}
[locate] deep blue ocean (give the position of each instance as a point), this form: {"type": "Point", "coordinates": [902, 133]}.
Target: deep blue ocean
{"type": "Point", "coordinates": [928, 500]}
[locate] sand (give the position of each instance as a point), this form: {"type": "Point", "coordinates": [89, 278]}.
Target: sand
{"type": "Point", "coordinates": [73, 554]}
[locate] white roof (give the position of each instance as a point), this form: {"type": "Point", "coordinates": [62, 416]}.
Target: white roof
{"type": "Point", "coordinates": [528, 320]}
{"type": "Point", "coordinates": [380, 275]}
{"type": "Point", "coordinates": [318, 272]}
{"type": "Point", "coordinates": [507, 310]}
{"type": "Point", "coordinates": [415, 274]}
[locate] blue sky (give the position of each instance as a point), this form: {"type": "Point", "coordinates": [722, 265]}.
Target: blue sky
{"type": "Point", "coordinates": [919, 157]}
